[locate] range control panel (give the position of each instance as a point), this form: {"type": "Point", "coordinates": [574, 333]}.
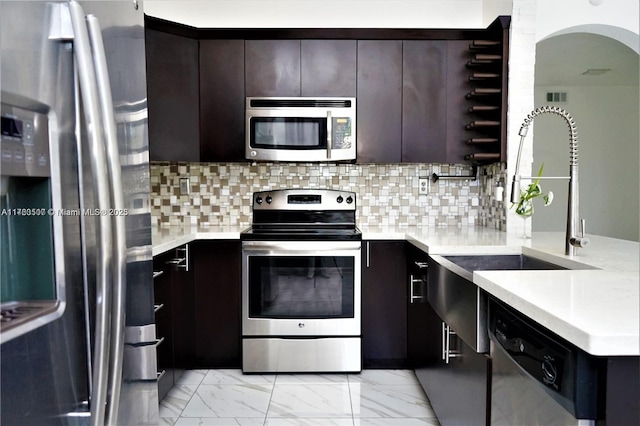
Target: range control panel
{"type": "Point", "coordinates": [304, 199]}
{"type": "Point", "coordinates": [24, 143]}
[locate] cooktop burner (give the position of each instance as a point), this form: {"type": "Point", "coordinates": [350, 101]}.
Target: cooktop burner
{"type": "Point", "coordinates": [303, 214]}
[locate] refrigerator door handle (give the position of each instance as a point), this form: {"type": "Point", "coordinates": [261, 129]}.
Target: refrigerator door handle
{"type": "Point", "coordinates": [117, 217]}
{"type": "Point", "coordinates": [104, 270]}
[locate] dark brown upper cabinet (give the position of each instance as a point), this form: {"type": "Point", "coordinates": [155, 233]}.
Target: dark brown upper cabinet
{"type": "Point", "coordinates": [272, 67]}
{"type": "Point", "coordinates": [424, 101]}
{"type": "Point", "coordinates": [300, 67]}
{"type": "Point", "coordinates": [379, 97]}
{"type": "Point", "coordinates": [222, 100]}
{"type": "Point", "coordinates": [172, 96]}
{"type": "Point", "coordinates": [423, 96]}
{"type": "Point", "coordinates": [328, 68]}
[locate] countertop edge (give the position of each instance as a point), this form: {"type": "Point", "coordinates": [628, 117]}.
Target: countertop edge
{"type": "Point", "coordinates": [596, 344]}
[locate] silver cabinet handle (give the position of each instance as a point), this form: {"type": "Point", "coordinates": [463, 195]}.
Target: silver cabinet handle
{"type": "Point", "coordinates": [156, 308]}
{"type": "Point", "coordinates": [160, 374]}
{"type": "Point", "coordinates": [447, 353]}
{"type": "Point", "coordinates": [444, 340]}
{"type": "Point", "coordinates": [421, 265]}
{"type": "Point", "coordinates": [368, 254]}
{"type": "Point", "coordinates": [185, 250]}
{"type": "Point", "coordinates": [156, 274]}
{"type": "Point", "coordinates": [412, 294]}
{"type": "Point", "coordinates": [89, 93]}
{"type": "Point", "coordinates": [329, 135]}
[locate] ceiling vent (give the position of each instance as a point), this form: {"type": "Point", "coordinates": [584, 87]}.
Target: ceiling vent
{"type": "Point", "coordinates": [557, 97]}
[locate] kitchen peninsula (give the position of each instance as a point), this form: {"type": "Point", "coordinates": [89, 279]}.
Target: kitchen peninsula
{"type": "Point", "coordinates": [595, 304]}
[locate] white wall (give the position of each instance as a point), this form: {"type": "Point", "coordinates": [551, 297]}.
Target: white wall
{"type": "Point", "coordinates": [557, 16]}
{"type": "Point", "coordinates": [609, 152]}
{"type": "Point", "coordinates": [320, 13]}
{"type": "Point", "coordinates": [535, 20]}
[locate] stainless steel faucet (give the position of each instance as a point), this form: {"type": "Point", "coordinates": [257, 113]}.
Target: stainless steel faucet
{"type": "Point", "coordinates": [572, 240]}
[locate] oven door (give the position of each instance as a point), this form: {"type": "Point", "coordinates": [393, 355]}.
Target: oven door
{"type": "Point", "coordinates": [301, 288]}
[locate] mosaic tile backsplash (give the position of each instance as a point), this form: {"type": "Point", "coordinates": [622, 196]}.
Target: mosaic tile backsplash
{"type": "Point", "coordinates": [387, 194]}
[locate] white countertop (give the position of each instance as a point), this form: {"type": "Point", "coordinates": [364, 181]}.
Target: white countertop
{"type": "Point", "coordinates": [596, 309]}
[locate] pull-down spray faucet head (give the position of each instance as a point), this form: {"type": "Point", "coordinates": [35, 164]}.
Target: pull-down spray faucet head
{"type": "Point", "coordinates": [572, 239]}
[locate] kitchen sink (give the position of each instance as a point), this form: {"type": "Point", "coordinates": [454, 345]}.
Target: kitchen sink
{"type": "Point", "coordinates": [501, 262]}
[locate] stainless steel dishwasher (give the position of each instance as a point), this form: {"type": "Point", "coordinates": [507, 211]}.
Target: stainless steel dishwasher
{"type": "Point", "coordinates": [538, 377]}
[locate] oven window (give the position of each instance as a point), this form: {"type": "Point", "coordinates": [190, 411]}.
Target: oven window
{"type": "Point", "coordinates": [301, 287]}
{"type": "Point", "coordinates": [288, 133]}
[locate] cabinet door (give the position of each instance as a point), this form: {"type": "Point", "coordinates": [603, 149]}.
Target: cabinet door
{"type": "Point", "coordinates": [424, 101]}
{"type": "Point", "coordinates": [172, 97]}
{"type": "Point", "coordinates": [217, 306]}
{"type": "Point", "coordinates": [457, 390]}
{"type": "Point", "coordinates": [379, 91]}
{"type": "Point", "coordinates": [272, 67]}
{"type": "Point", "coordinates": [222, 100]}
{"type": "Point", "coordinates": [182, 306]}
{"type": "Point", "coordinates": [423, 324]}
{"type": "Point", "coordinates": [384, 305]}
{"type": "Point", "coordinates": [162, 307]}
{"type": "Point", "coordinates": [328, 67]}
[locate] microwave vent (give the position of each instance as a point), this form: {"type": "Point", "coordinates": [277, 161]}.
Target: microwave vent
{"type": "Point", "coordinates": [300, 103]}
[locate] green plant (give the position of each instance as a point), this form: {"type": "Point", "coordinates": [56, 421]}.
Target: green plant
{"type": "Point", "coordinates": [524, 207]}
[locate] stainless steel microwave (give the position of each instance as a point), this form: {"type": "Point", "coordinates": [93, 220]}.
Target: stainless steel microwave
{"type": "Point", "coordinates": [300, 129]}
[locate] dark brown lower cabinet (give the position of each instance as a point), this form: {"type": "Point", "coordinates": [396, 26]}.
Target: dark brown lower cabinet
{"type": "Point", "coordinates": [217, 310]}
{"type": "Point", "coordinates": [622, 390]}
{"type": "Point", "coordinates": [458, 389]}
{"type": "Point", "coordinates": [162, 307]}
{"type": "Point", "coordinates": [384, 305]}
{"type": "Point", "coordinates": [422, 322]}
{"type": "Point", "coordinates": [172, 294]}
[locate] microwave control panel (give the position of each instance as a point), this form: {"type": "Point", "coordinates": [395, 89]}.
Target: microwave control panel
{"type": "Point", "coordinates": [342, 135]}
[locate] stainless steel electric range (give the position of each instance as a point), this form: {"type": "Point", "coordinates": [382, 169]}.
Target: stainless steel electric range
{"type": "Point", "coordinates": [301, 283]}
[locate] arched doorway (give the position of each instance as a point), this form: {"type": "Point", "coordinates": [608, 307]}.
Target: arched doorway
{"type": "Point", "coordinates": [592, 72]}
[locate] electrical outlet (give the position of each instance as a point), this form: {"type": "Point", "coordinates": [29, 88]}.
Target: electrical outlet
{"type": "Point", "coordinates": [423, 185]}
{"type": "Point", "coordinates": [184, 186]}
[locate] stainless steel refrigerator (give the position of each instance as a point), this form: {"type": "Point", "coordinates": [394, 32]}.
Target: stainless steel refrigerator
{"type": "Point", "coordinates": [77, 331]}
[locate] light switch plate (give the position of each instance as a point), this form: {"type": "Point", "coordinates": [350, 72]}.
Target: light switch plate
{"type": "Point", "coordinates": [423, 186]}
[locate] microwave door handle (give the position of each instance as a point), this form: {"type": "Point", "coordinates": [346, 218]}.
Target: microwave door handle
{"type": "Point", "coordinates": [329, 132]}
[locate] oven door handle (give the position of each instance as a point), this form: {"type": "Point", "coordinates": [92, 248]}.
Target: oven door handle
{"type": "Point", "coordinates": [300, 246]}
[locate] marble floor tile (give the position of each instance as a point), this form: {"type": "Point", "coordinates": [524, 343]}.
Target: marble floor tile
{"type": "Point", "coordinates": [389, 401]}
{"type": "Point", "coordinates": [385, 377]}
{"type": "Point", "coordinates": [236, 377]}
{"type": "Point", "coordinates": [191, 377]}
{"type": "Point", "coordinates": [317, 379]}
{"type": "Point", "coordinates": [220, 421]}
{"type": "Point", "coordinates": [229, 401]}
{"type": "Point", "coordinates": [309, 422]}
{"type": "Point", "coordinates": [230, 398]}
{"type": "Point", "coordinates": [176, 400]}
{"type": "Point", "coordinates": [395, 422]}
{"type": "Point", "coordinates": [310, 401]}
